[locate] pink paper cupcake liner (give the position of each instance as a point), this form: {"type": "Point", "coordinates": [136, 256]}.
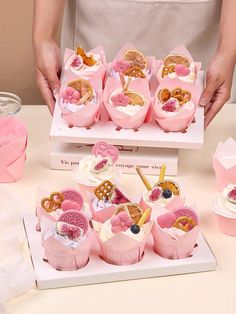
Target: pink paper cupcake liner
{"type": "Point", "coordinates": [66, 258]}
{"type": "Point", "coordinates": [167, 247]}
{"type": "Point", "coordinates": [121, 119]}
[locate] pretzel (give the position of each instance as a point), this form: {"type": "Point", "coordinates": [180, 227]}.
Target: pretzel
{"type": "Point", "coordinates": [184, 223]}
{"type": "Point", "coordinates": [167, 69]}
{"type": "Point", "coordinates": [103, 190]}
{"type": "Point", "coordinates": [53, 202]}
{"type": "Point", "coordinates": [134, 71]}
{"type": "Point", "coordinates": [164, 95]}
{"type": "Point", "coordinates": [181, 95]}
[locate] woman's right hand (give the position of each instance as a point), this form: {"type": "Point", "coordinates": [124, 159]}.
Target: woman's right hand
{"type": "Point", "coordinates": [48, 67]}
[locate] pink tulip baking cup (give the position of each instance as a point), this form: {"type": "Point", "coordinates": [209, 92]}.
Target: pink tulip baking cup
{"type": "Point", "coordinates": [66, 258]}
{"type": "Point", "coordinates": [183, 51]}
{"type": "Point", "coordinates": [182, 120]}
{"type": "Point", "coordinates": [97, 72]}
{"type": "Point", "coordinates": [121, 249]}
{"type": "Point", "coordinates": [164, 244]}
{"type": "Point", "coordinates": [224, 163]}
{"type": "Point", "coordinates": [87, 115]}
{"type": "Point", "coordinates": [13, 142]}
{"type": "Point", "coordinates": [121, 119]}
{"type": "Point", "coordinates": [167, 247]}
{"type": "Point", "coordinates": [226, 220]}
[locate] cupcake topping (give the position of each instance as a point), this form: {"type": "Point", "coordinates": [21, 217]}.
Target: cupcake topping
{"type": "Point", "coordinates": [155, 194]}
{"type": "Point", "coordinates": [53, 202]}
{"type": "Point", "coordinates": [102, 165]}
{"type": "Point", "coordinates": [70, 231]}
{"type": "Point", "coordinates": [87, 59]}
{"type": "Point", "coordinates": [75, 218]}
{"type": "Point", "coordinates": [231, 197]}
{"type": "Point", "coordinates": [132, 209]}
{"type": "Point", "coordinates": [121, 222]}
{"type": "Point", "coordinates": [184, 223]}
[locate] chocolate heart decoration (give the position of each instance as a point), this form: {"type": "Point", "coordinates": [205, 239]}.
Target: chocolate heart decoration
{"type": "Point", "coordinates": [105, 150]}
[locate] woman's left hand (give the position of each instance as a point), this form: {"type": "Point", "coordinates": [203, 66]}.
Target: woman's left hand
{"type": "Point", "coordinates": [218, 86]}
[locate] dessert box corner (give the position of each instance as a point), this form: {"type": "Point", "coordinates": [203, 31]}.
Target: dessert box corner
{"type": "Point", "coordinates": [69, 144]}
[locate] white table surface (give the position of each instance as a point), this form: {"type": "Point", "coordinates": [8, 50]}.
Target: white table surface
{"type": "Point", "coordinates": [212, 292]}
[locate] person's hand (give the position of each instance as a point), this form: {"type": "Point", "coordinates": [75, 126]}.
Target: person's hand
{"type": "Point", "coordinates": [218, 86]}
{"type": "Point", "coordinates": [48, 67]}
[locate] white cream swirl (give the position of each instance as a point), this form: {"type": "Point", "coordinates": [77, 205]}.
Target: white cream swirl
{"type": "Point", "coordinates": [105, 232]}
{"type": "Point", "coordinates": [84, 173]}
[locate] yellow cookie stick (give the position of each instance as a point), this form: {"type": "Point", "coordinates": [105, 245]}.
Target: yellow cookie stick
{"type": "Point", "coordinates": [162, 173]}
{"type": "Point", "coordinates": [126, 86]}
{"type": "Point", "coordinates": [143, 178]}
{"type": "Point", "coordinates": [144, 217]}
{"type": "Point", "coordinates": [122, 80]}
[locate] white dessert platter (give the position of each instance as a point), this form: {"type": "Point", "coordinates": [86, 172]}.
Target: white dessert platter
{"type": "Point", "coordinates": [98, 271]}
{"type": "Point", "coordinates": [149, 136]}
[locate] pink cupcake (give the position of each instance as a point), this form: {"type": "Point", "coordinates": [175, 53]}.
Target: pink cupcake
{"type": "Point", "coordinates": [97, 167]}
{"type": "Point", "coordinates": [85, 64]}
{"type": "Point", "coordinates": [52, 205]}
{"type": "Point", "coordinates": [80, 101]}
{"type": "Point", "coordinates": [175, 233]}
{"type": "Point", "coordinates": [127, 103]}
{"type": "Point", "coordinates": [122, 242]}
{"type": "Point", "coordinates": [175, 104]}
{"type": "Point", "coordinates": [67, 242]}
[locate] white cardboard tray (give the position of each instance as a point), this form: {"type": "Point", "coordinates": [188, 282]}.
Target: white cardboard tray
{"type": "Point", "coordinates": [97, 271]}
{"type": "Point", "coordinates": [149, 135]}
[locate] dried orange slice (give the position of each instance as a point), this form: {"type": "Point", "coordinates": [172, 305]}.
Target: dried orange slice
{"type": "Point", "coordinates": [176, 59]}
{"type": "Point", "coordinates": [132, 209]}
{"type": "Point", "coordinates": [169, 185]}
{"type": "Point", "coordinates": [83, 86]}
{"type": "Point", "coordinates": [135, 58]}
{"type": "Point", "coordinates": [164, 95]}
{"type": "Point", "coordinates": [135, 98]}
{"type": "Point", "coordinates": [134, 71]}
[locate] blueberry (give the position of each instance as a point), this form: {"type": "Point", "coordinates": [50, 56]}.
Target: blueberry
{"type": "Point", "coordinates": [135, 229]}
{"type": "Point", "coordinates": [167, 193]}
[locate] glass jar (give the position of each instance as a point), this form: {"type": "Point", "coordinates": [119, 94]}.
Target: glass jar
{"type": "Point", "coordinates": [10, 104]}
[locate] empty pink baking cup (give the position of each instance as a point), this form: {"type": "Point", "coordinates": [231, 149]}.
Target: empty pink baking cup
{"type": "Point", "coordinates": [226, 222]}
{"type": "Point", "coordinates": [13, 141]}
